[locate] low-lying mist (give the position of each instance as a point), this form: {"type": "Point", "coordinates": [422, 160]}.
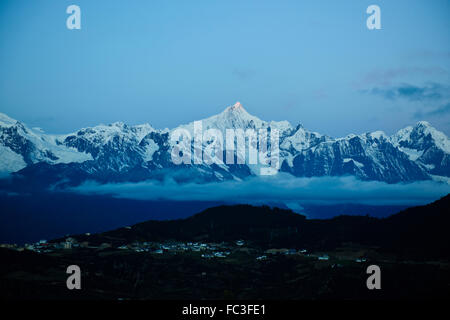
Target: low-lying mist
{"type": "Point", "coordinates": [282, 188]}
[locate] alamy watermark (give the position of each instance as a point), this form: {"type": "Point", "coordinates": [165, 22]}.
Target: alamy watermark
{"type": "Point", "coordinates": [251, 147]}
{"type": "Point", "coordinates": [74, 20]}
{"type": "Point", "coordinates": [374, 280]}
{"type": "Point", "coordinates": [74, 280]}
{"type": "Point", "coordinates": [373, 22]}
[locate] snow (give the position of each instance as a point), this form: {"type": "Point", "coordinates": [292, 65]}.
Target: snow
{"type": "Point", "coordinates": [292, 141]}
{"type": "Point", "coordinates": [10, 161]}
{"type": "Point", "coordinates": [63, 153]}
{"type": "Point", "coordinates": [150, 149]}
{"type": "Point", "coordinates": [422, 128]}
{"type": "Point", "coordinates": [237, 106]}
{"type": "Point", "coordinates": [299, 141]}
{"type": "Point", "coordinates": [233, 117]}
{"type": "Point", "coordinates": [412, 154]}
{"type": "Point", "coordinates": [429, 166]}
{"type": "Point", "coordinates": [441, 179]}
{"type": "Point", "coordinates": [377, 135]}
{"type": "Point", "coordinates": [402, 135]}
{"type": "Point", "coordinates": [236, 117]}
{"type": "Point", "coordinates": [356, 163]}
{"type": "Point", "coordinates": [440, 139]}
{"type": "Point", "coordinates": [105, 133]}
{"type": "Point", "coordinates": [281, 126]}
{"type": "Point", "coordinates": [423, 123]}
{"type": "Point", "coordinates": [143, 130]}
{"type": "Point", "coordinates": [287, 157]}
{"type": "Point", "coordinates": [43, 143]}
{"type": "Point", "coordinates": [6, 121]}
{"type": "Point", "coordinates": [348, 137]}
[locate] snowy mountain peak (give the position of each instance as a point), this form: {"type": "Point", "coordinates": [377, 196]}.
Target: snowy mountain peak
{"type": "Point", "coordinates": [423, 124]}
{"type": "Point", "coordinates": [421, 137]}
{"type": "Point", "coordinates": [236, 110]}
{"type": "Point", "coordinates": [232, 117]}
{"type": "Point", "coordinates": [236, 117]}
{"type": "Point", "coordinates": [237, 106]}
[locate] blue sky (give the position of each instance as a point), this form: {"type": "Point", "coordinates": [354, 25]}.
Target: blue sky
{"type": "Point", "coordinates": [172, 62]}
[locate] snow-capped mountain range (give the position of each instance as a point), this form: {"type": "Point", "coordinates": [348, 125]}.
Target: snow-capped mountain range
{"type": "Point", "coordinates": [118, 152]}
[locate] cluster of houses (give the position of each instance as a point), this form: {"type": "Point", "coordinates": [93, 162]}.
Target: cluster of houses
{"type": "Point", "coordinates": [42, 246]}
{"type": "Point", "coordinates": [217, 249]}
{"type": "Point", "coordinates": [207, 250]}
{"type": "Point", "coordinates": [322, 257]}
{"type": "Point", "coordinates": [216, 254]}
{"type": "Point", "coordinates": [286, 251]}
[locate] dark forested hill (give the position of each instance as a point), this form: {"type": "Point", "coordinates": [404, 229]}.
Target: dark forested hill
{"type": "Point", "coordinates": [417, 232]}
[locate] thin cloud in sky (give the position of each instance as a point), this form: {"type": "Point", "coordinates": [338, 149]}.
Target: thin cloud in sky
{"type": "Point", "coordinates": [431, 91]}
{"type": "Point", "coordinates": [386, 77]}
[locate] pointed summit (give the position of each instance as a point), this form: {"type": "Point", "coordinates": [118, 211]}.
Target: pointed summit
{"type": "Point", "coordinates": [237, 107]}
{"type": "Point", "coordinates": [234, 116]}
{"type": "Point", "coordinates": [237, 111]}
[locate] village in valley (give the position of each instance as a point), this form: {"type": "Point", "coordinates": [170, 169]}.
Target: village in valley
{"type": "Point", "coordinates": [204, 250]}
{"type": "Point", "coordinates": [244, 253]}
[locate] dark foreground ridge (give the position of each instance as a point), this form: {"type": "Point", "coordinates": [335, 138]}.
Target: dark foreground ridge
{"type": "Point", "coordinates": [417, 232]}
{"type": "Point", "coordinates": [244, 252]}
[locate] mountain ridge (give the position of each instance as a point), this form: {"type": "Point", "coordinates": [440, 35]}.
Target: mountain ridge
{"type": "Point", "coordinates": [119, 152]}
